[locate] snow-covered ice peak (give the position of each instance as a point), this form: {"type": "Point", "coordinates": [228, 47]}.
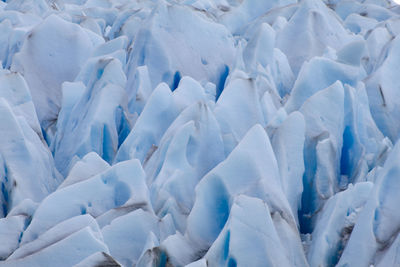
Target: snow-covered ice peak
{"type": "Point", "coordinates": [199, 133]}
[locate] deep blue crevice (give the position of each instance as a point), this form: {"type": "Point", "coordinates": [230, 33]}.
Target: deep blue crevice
{"type": "Point", "coordinates": [83, 210]}
{"type": "Point", "coordinates": [304, 212]}
{"type": "Point", "coordinates": [5, 198]}
{"type": "Point", "coordinates": [46, 138]}
{"type": "Point", "coordinates": [163, 259]}
{"type": "Point", "coordinates": [345, 160]}
{"type": "Point", "coordinates": [123, 125]}
{"type": "Point", "coordinates": [108, 150]}
{"type": "Point", "coordinates": [221, 82]}
{"type": "Point", "coordinates": [232, 262]}
{"type": "Point", "coordinates": [310, 162]}
{"type": "Point", "coordinates": [99, 73]}
{"type": "Point", "coordinates": [218, 204]}
{"type": "Point", "coordinates": [177, 79]}
{"type": "Point", "coordinates": [5, 173]}
{"type": "Point", "coordinates": [20, 237]}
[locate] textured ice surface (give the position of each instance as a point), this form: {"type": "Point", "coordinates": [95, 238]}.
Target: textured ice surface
{"type": "Point", "coordinates": [53, 52]}
{"type": "Point", "coordinates": [199, 133]}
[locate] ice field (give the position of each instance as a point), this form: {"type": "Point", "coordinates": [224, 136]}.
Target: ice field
{"type": "Point", "coordinates": [199, 133]}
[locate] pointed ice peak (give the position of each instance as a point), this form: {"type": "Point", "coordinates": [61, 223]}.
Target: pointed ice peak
{"type": "Point", "coordinates": [250, 169]}
{"type": "Point", "coordinates": [318, 74]}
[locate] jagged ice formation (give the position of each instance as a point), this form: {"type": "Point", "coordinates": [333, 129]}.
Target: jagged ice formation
{"type": "Point", "coordinates": [199, 133]}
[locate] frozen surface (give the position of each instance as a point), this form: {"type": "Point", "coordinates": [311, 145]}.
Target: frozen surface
{"type": "Point", "coordinates": [199, 133]}
{"type": "Point", "coordinates": [52, 53]}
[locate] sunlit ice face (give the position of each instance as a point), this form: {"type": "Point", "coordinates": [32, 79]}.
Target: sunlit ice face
{"type": "Point", "coordinates": [397, 1]}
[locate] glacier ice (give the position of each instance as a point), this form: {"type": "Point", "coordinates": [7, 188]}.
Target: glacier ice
{"type": "Point", "coordinates": [249, 237]}
{"type": "Point", "coordinates": [335, 223]}
{"type": "Point", "coordinates": [100, 258]}
{"type": "Point", "coordinates": [126, 235]}
{"type": "Point", "coordinates": [199, 133]}
{"type": "Point", "coordinates": [383, 101]}
{"type": "Point", "coordinates": [241, 173]}
{"type": "Point", "coordinates": [288, 145]}
{"type": "Point", "coordinates": [206, 48]}
{"type": "Point", "coordinates": [21, 144]}
{"type": "Point", "coordinates": [52, 53]}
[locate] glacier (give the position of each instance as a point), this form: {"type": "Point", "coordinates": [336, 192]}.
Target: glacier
{"type": "Point", "coordinates": [199, 133]}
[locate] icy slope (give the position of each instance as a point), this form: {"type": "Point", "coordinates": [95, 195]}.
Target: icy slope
{"type": "Point", "coordinates": [199, 133]}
